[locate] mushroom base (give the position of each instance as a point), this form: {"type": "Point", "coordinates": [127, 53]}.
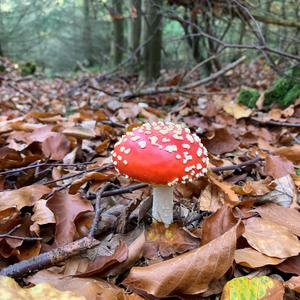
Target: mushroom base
{"type": "Point", "coordinates": [162, 209]}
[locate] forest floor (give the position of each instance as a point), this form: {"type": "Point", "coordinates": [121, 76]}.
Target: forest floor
{"type": "Point", "coordinates": [236, 230]}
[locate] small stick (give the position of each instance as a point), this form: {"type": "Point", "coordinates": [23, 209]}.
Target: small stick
{"type": "Point", "coordinates": [22, 238]}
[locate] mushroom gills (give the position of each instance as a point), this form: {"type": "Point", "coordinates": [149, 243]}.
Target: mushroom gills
{"type": "Point", "coordinates": [162, 209]}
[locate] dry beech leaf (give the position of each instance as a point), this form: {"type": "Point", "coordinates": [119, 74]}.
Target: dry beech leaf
{"type": "Point", "coordinates": [222, 142]}
{"type": "Point", "coordinates": [231, 198]}
{"type": "Point", "coordinates": [41, 215]}
{"type": "Point", "coordinates": [290, 265]}
{"type": "Point", "coordinates": [189, 273]}
{"type": "Point", "coordinates": [88, 288]}
{"type": "Point", "coordinates": [9, 289]}
{"type": "Point", "coordinates": [217, 224]}
{"type": "Point", "coordinates": [287, 217]}
{"type": "Point", "coordinates": [248, 257]}
{"type": "Point", "coordinates": [237, 110]}
{"type": "Point", "coordinates": [164, 242]}
{"type": "Point", "coordinates": [270, 238]}
{"type": "Point", "coordinates": [66, 209]}
{"type": "Point", "coordinates": [291, 153]}
{"type": "Point", "coordinates": [93, 176]}
{"type": "Point", "coordinates": [56, 147]}
{"type": "Point", "coordinates": [277, 166]}
{"type": "Point", "coordinates": [257, 288]}
{"type": "Point", "coordinates": [254, 188]}
{"type": "Point", "coordinates": [210, 199]}
{"type": "Point", "coordinates": [293, 284]}
{"type": "Point", "coordinates": [283, 194]}
{"type": "Point", "coordinates": [22, 197]}
{"type": "Point", "coordinates": [102, 263]}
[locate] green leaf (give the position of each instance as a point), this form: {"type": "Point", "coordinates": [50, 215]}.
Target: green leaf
{"type": "Point", "coordinates": [256, 288]}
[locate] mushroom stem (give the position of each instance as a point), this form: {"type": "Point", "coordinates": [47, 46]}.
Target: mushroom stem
{"type": "Point", "coordinates": [162, 208]}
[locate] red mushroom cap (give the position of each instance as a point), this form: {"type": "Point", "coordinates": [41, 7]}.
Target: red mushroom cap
{"type": "Point", "coordinates": [160, 153]}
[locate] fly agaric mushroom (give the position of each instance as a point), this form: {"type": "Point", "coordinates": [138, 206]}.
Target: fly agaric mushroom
{"type": "Point", "coordinates": [162, 154]}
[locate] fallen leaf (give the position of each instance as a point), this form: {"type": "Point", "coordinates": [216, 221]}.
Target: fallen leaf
{"type": "Point", "coordinates": [290, 265]}
{"type": "Point", "coordinates": [248, 257]}
{"type": "Point", "coordinates": [283, 194]}
{"type": "Point", "coordinates": [210, 199]}
{"type": "Point", "coordinates": [288, 217]}
{"type": "Point", "coordinates": [221, 142]}
{"type": "Point", "coordinates": [92, 176]}
{"type": "Point", "coordinates": [101, 263]}
{"type": "Point", "coordinates": [293, 284]}
{"type": "Point", "coordinates": [217, 224]}
{"type": "Point", "coordinates": [42, 215]}
{"type": "Point", "coordinates": [22, 197]}
{"type": "Point", "coordinates": [231, 198]}
{"type": "Point", "coordinates": [237, 110]}
{"type": "Point", "coordinates": [56, 147]}
{"type": "Point", "coordinates": [66, 209]}
{"type": "Point", "coordinates": [270, 238]}
{"type": "Point", "coordinates": [254, 188]}
{"type": "Point", "coordinates": [189, 273]}
{"type": "Point", "coordinates": [87, 288]}
{"type": "Point", "coordinates": [257, 288]}
{"type": "Point", "coordinates": [277, 166]}
{"type": "Point", "coordinates": [291, 153]}
{"type": "Point", "coordinates": [9, 289]}
{"type": "Point", "coordinates": [164, 242]}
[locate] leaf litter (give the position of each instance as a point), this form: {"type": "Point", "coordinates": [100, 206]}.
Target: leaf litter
{"type": "Point", "coordinates": [55, 159]}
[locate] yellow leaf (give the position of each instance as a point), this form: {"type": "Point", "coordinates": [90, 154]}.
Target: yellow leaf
{"type": "Point", "coordinates": [238, 111]}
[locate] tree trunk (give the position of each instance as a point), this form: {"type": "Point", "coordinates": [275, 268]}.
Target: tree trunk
{"type": "Point", "coordinates": [152, 39]}
{"type": "Point", "coordinates": [118, 32]}
{"type": "Point", "coordinates": [88, 47]}
{"type": "Point", "coordinates": [134, 33]}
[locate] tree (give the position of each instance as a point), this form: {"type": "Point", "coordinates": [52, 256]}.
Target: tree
{"type": "Point", "coordinates": [134, 32]}
{"type": "Point", "coordinates": [152, 39]}
{"type": "Point", "coordinates": [118, 32]}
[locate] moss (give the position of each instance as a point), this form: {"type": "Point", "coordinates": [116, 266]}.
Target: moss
{"type": "Point", "coordinates": [28, 68]}
{"type": "Point", "coordinates": [278, 91]}
{"type": "Point", "coordinates": [291, 96]}
{"type": "Point", "coordinates": [248, 97]}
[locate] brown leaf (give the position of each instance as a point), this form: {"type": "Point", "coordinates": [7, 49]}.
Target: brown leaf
{"type": "Point", "coordinates": [210, 199]}
{"type": "Point", "coordinates": [56, 147]}
{"type": "Point", "coordinates": [290, 265]}
{"type": "Point", "coordinates": [41, 215]}
{"type": "Point", "coordinates": [237, 110]}
{"type": "Point", "coordinates": [287, 217]}
{"type": "Point", "coordinates": [89, 288]}
{"type": "Point", "coordinates": [92, 176]}
{"type": "Point", "coordinates": [102, 146]}
{"type": "Point", "coordinates": [270, 238]}
{"type": "Point", "coordinates": [217, 224]}
{"type": "Point", "coordinates": [221, 142]}
{"type": "Point", "coordinates": [231, 198]}
{"type": "Point", "coordinates": [188, 273]}
{"type": "Point", "coordinates": [293, 284]}
{"type": "Point", "coordinates": [283, 194]}
{"type": "Point", "coordinates": [164, 242]}
{"type": "Point", "coordinates": [25, 196]}
{"type": "Point", "coordinates": [291, 153]}
{"type": "Point", "coordinates": [277, 166]}
{"type": "Point", "coordinates": [66, 208]}
{"type": "Point", "coordinates": [248, 257]}
{"type": "Point", "coordinates": [254, 188]}
{"type": "Point", "coordinates": [101, 263]}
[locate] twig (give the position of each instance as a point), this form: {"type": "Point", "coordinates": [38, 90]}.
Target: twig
{"type": "Point", "coordinates": [96, 219]}
{"type": "Point", "coordinates": [44, 164]}
{"type": "Point", "coordinates": [48, 259]}
{"type": "Point", "coordinates": [22, 238]}
{"type": "Point", "coordinates": [177, 89]}
{"type": "Point", "coordinates": [276, 123]}
{"type": "Point", "coordinates": [109, 166]}
{"type": "Point", "coordinates": [237, 166]}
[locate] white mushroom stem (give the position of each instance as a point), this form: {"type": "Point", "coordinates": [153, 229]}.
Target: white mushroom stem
{"type": "Point", "coordinates": [162, 208]}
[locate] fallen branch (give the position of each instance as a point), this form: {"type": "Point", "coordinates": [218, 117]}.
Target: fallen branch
{"type": "Point", "coordinates": [48, 259]}
{"type": "Point", "coordinates": [179, 89]}
{"type": "Point", "coordinates": [276, 123]}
